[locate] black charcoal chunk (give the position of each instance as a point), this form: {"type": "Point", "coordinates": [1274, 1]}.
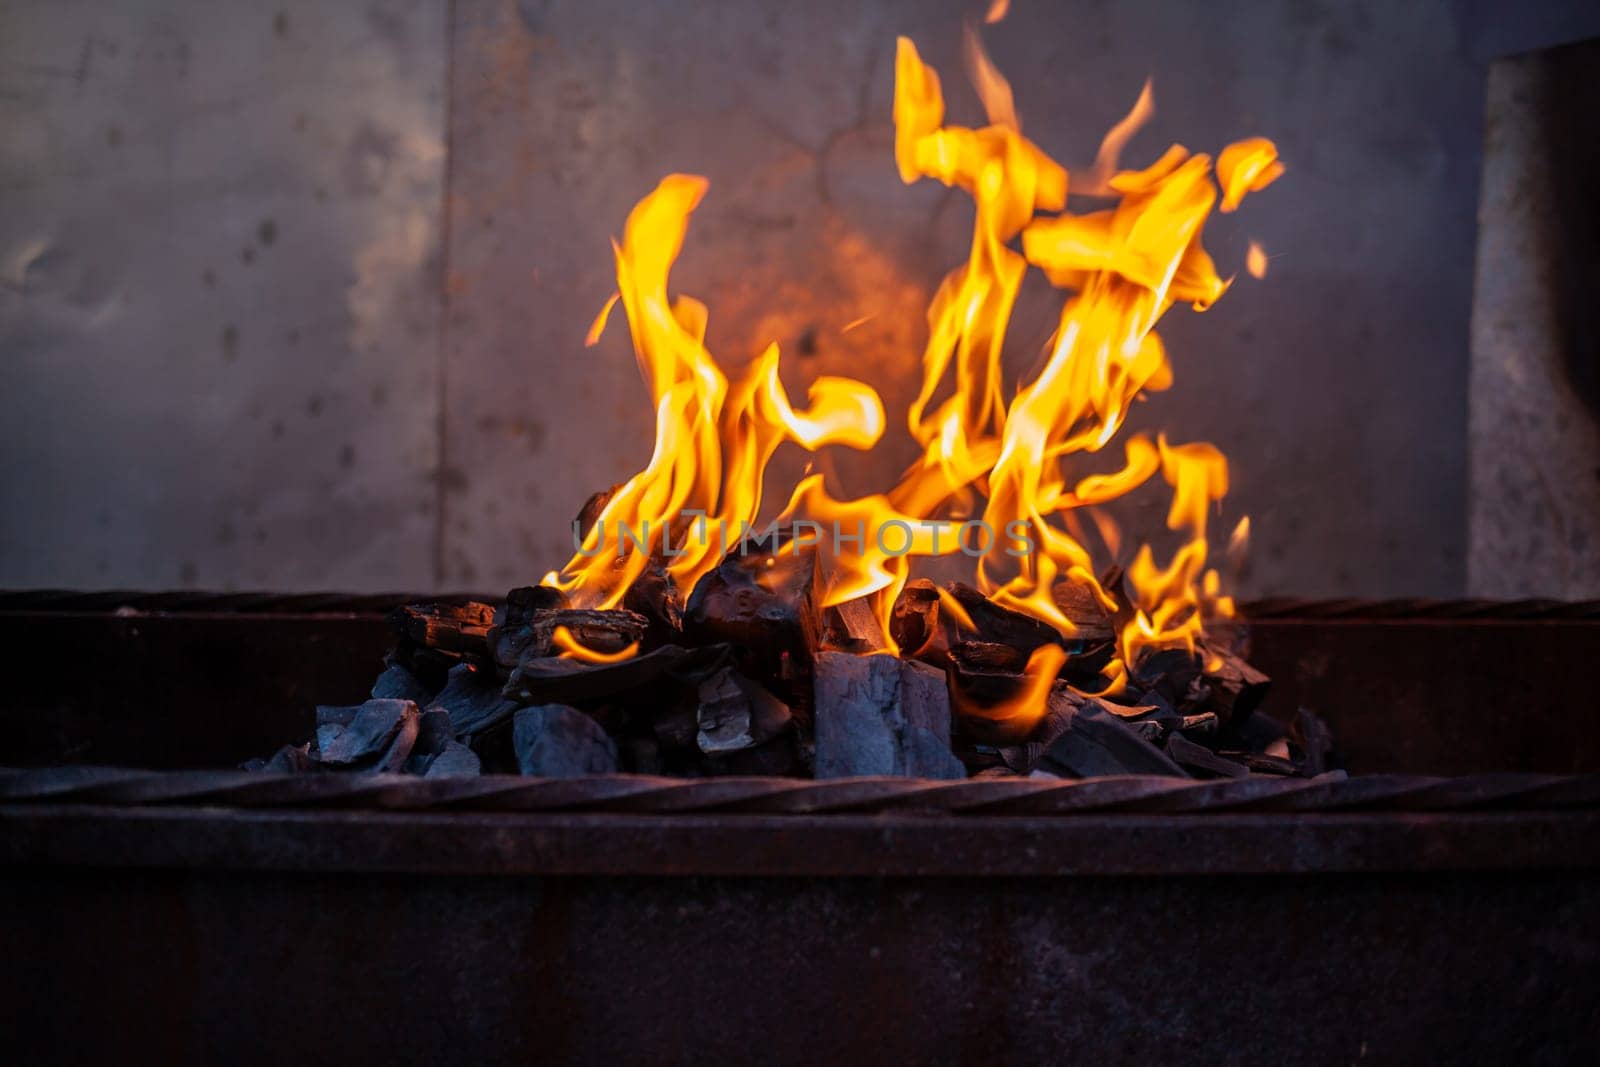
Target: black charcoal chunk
{"type": "Point", "coordinates": [1154, 731]}
{"type": "Point", "coordinates": [434, 731]}
{"type": "Point", "coordinates": [1172, 675]}
{"type": "Point", "coordinates": [1314, 739]}
{"type": "Point", "coordinates": [455, 760]}
{"type": "Point", "coordinates": [368, 731]}
{"type": "Point", "coordinates": [759, 603]}
{"type": "Point", "coordinates": [928, 755]}
{"type": "Point", "coordinates": [1237, 689]}
{"type": "Point", "coordinates": [1202, 761]}
{"type": "Point", "coordinates": [735, 714]}
{"type": "Point", "coordinates": [473, 700]}
{"type": "Point", "coordinates": [878, 715]}
{"type": "Point", "coordinates": [394, 757]}
{"type": "Point", "coordinates": [397, 683]}
{"type": "Point", "coordinates": [1264, 764]}
{"type": "Point", "coordinates": [450, 630]}
{"type": "Point", "coordinates": [1001, 625]}
{"type": "Point", "coordinates": [554, 680]}
{"type": "Point", "coordinates": [331, 722]}
{"type": "Point", "coordinates": [555, 741]}
{"type": "Point", "coordinates": [1097, 742]}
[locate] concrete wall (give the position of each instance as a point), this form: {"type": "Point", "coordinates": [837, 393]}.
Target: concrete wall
{"type": "Point", "coordinates": [219, 241]}
{"type": "Point", "coordinates": [1534, 518]}
{"type": "Point", "coordinates": [292, 296]}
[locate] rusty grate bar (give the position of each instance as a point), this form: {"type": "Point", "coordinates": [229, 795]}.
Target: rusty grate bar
{"type": "Point", "coordinates": [639, 794]}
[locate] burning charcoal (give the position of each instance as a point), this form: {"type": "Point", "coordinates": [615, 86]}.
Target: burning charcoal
{"type": "Point", "coordinates": [290, 759]}
{"type": "Point", "coordinates": [601, 631]}
{"type": "Point", "coordinates": [509, 637]}
{"type": "Point", "coordinates": [881, 715]}
{"type": "Point", "coordinates": [589, 514]}
{"type": "Point", "coordinates": [1096, 742]}
{"type": "Point", "coordinates": [989, 699]}
{"type": "Point", "coordinates": [1314, 739]}
{"type": "Point", "coordinates": [450, 629]}
{"type": "Point", "coordinates": [394, 757]}
{"type": "Point", "coordinates": [736, 713]}
{"type": "Point", "coordinates": [1237, 688]}
{"type": "Point", "coordinates": [981, 656]}
{"type": "Point", "coordinates": [1204, 762]}
{"type": "Point", "coordinates": [552, 679]}
{"type": "Point", "coordinates": [915, 623]}
{"type": "Point", "coordinates": [654, 595]}
{"type": "Point", "coordinates": [367, 732]}
{"type": "Point", "coordinates": [1060, 707]}
{"type": "Point", "coordinates": [554, 741]}
{"type": "Point", "coordinates": [1173, 674]}
{"type": "Point", "coordinates": [472, 700]}
{"type": "Point", "coordinates": [853, 627]}
{"type": "Point", "coordinates": [397, 683]}
{"type": "Point", "coordinates": [759, 603]}
{"type": "Point", "coordinates": [1079, 603]}
{"type": "Point", "coordinates": [455, 760]}
{"type": "Point", "coordinates": [1001, 625]}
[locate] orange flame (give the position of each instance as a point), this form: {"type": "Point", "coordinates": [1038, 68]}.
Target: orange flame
{"type": "Point", "coordinates": [713, 437]}
{"type": "Point", "coordinates": [1123, 267]}
{"type": "Point", "coordinates": [571, 648]}
{"type": "Point", "coordinates": [1247, 167]}
{"type": "Point", "coordinates": [1023, 710]}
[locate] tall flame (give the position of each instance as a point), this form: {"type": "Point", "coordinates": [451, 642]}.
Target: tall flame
{"type": "Point", "coordinates": [1123, 266]}
{"type": "Point", "coordinates": [713, 438]}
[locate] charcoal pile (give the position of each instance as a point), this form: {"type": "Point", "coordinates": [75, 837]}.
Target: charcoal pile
{"type": "Point", "coordinates": [749, 676]}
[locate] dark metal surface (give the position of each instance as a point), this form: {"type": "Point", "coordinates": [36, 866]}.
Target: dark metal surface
{"type": "Point", "coordinates": [256, 966]}
{"type": "Point", "coordinates": [328, 843]}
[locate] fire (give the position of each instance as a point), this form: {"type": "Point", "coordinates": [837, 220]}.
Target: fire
{"type": "Point", "coordinates": [1024, 708]}
{"type": "Point", "coordinates": [1004, 455]}
{"type": "Point", "coordinates": [571, 648]}
{"type": "Point", "coordinates": [713, 437]}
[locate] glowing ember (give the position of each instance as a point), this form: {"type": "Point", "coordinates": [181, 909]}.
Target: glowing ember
{"type": "Point", "coordinates": [1255, 260]}
{"type": "Point", "coordinates": [994, 478]}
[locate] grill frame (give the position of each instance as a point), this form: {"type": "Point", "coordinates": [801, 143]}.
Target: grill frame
{"type": "Point", "coordinates": [1437, 912]}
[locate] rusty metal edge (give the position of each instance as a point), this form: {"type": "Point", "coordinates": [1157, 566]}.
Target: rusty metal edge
{"type": "Point", "coordinates": [129, 601]}
{"type": "Point", "coordinates": [977, 798]}
{"type": "Point", "coordinates": [876, 846]}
